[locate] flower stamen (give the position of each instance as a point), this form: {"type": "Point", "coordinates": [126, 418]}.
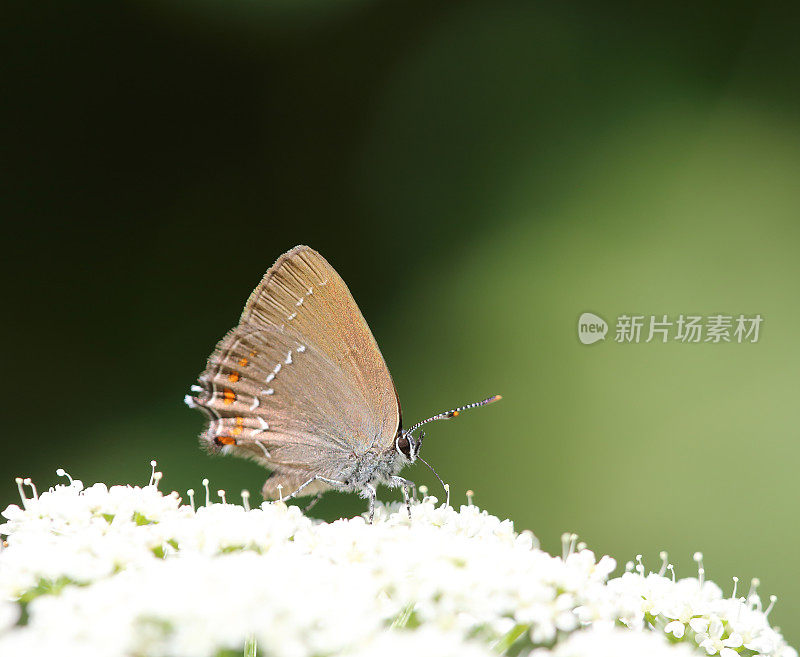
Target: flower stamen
{"type": "Point", "coordinates": [772, 600]}
{"type": "Point", "coordinates": [208, 492]}
{"type": "Point", "coordinates": [663, 568]}
{"type": "Point", "coordinates": [640, 566]}
{"type": "Point", "coordinates": [701, 572]}
{"type": "Point", "coordinates": [21, 490]}
{"type": "Point", "coordinates": [63, 473]}
{"type": "Point", "coordinates": [29, 482]}
{"type": "Point", "coordinates": [752, 595]}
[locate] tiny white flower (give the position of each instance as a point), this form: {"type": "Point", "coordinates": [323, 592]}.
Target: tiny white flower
{"type": "Point", "coordinates": [675, 628]}
{"type": "Point", "coordinates": [699, 625]}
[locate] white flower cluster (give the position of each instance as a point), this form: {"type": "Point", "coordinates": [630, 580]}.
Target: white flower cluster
{"type": "Point", "coordinates": [128, 571]}
{"type": "Point", "coordinates": [604, 641]}
{"type": "Point", "coordinates": [696, 611]}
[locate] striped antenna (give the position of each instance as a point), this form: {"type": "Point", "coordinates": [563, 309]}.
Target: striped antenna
{"type": "Point", "coordinates": [447, 415]}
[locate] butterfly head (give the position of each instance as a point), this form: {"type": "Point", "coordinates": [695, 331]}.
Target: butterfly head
{"type": "Point", "coordinates": [407, 445]}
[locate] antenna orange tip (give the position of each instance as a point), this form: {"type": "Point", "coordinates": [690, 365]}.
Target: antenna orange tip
{"type": "Point", "coordinates": [455, 413]}
{"type": "Point", "coordinates": [496, 398]}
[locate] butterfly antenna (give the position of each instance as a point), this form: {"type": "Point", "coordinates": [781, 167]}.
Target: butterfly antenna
{"type": "Point", "coordinates": [447, 415]}
{"type": "Point", "coordinates": [435, 473]}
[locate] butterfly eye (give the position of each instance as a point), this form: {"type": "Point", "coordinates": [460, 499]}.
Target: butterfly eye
{"type": "Point", "coordinates": [403, 446]}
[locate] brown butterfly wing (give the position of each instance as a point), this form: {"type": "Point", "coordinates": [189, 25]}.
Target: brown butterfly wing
{"type": "Point", "coordinates": [303, 294]}
{"type": "Point", "coordinates": [300, 385]}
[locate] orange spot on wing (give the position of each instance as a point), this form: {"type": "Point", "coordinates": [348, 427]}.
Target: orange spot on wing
{"type": "Point", "coordinates": [237, 431]}
{"type": "Point", "coordinates": [233, 377]}
{"type": "Point", "coordinates": [225, 440]}
{"type": "Point", "coordinates": [239, 420]}
{"type": "Point", "coordinates": [228, 396]}
{"type": "Point", "coordinates": [243, 362]}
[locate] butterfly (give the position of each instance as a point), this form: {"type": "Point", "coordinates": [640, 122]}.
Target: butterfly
{"type": "Point", "coordinates": [300, 386]}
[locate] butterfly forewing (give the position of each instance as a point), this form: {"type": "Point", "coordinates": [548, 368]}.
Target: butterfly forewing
{"type": "Point", "coordinates": [302, 294]}
{"type": "Point", "coordinates": [300, 385]}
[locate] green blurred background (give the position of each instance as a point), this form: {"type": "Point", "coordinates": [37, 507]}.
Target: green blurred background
{"type": "Point", "coordinates": [480, 173]}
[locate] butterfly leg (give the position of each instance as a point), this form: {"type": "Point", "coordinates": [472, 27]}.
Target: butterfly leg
{"type": "Point", "coordinates": [406, 485]}
{"type": "Point", "coordinates": [408, 503]}
{"type": "Point", "coordinates": [372, 495]}
{"type": "Point", "coordinates": [331, 482]}
{"type": "Point", "coordinates": [313, 502]}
